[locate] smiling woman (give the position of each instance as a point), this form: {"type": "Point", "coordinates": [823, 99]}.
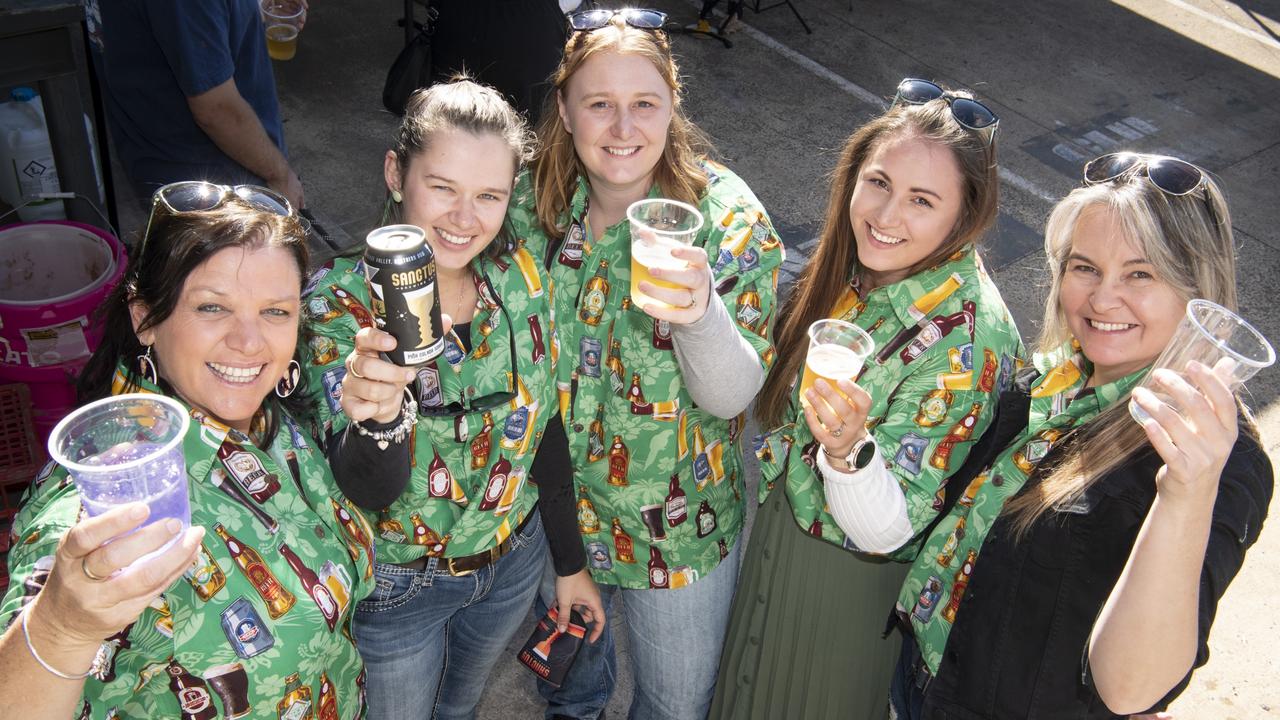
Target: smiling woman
{"type": "Point", "coordinates": [263, 583]}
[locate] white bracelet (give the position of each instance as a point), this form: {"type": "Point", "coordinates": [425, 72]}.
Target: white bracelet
{"type": "Point", "coordinates": [26, 635]}
{"type": "Point", "coordinates": [397, 434]}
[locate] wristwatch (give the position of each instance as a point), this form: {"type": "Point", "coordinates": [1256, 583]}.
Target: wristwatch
{"type": "Point", "coordinates": [860, 454]}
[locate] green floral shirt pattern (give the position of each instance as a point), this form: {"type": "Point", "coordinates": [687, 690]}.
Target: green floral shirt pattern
{"type": "Point", "coordinates": [482, 409]}
{"type": "Point", "coordinates": [945, 346]}
{"type": "Point", "coordinates": [285, 634]}
{"type": "Point", "coordinates": [659, 480]}
{"type": "Point", "coordinates": [937, 580]}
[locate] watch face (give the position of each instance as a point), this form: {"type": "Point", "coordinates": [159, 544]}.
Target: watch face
{"type": "Point", "coordinates": [864, 454]}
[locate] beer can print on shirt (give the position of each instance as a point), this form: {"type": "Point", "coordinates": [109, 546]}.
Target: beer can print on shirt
{"type": "Point", "coordinates": [244, 629]}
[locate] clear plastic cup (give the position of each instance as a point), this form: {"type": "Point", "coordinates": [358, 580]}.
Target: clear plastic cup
{"type": "Point", "coordinates": [1216, 337]}
{"type": "Point", "coordinates": [127, 448]}
{"type": "Point", "coordinates": [837, 351]}
{"type": "Point", "coordinates": [283, 20]}
{"type": "Point", "coordinates": [658, 226]}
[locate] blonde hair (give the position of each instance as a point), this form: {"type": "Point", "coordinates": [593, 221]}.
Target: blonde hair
{"type": "Point", "coordinates": [460, 104]}
{"type": "Point", "coordinates": [826, 275]}
{"type": "Point", "coordinates": [1188, 241]}
{"type": "Point", "coordinates": [556, 166]}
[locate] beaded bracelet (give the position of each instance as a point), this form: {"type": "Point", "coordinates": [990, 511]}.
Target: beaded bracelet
{"type": "Point", "coordinates": [26, 635]}
{"type": "Point", "coordinates": [397, 434]}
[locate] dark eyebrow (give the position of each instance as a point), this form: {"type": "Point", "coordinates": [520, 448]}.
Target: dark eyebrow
{"type": "Point", "coordinates": [918, 190]}
{"type": "Point", "coordinates": [210, 290]}
{"type": "Point", "coordinates": [441, 178]}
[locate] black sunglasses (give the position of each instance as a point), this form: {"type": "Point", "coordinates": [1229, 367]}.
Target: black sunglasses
{"type": "Point", "coordinates": [589, 20]}
{"type": "Point", "coordinates": [485, 402]}
{"type": "Point", "coordinates": [968, 112]}
{"type": "Point", "coordinates": [201, 196]}
{"type": "Point", "coordinates": [1171, 175]}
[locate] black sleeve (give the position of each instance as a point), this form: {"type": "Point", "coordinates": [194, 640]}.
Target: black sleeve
{"type": "Point", "coordinates": [370, 476]}
{"type": "Point", "coordinates": [553, 473]}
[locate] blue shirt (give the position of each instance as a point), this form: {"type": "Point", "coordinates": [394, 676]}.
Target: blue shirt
{"type": "Point", "coordinates": [157, 53]}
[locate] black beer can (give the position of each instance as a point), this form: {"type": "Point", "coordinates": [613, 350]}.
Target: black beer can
{"type": "Point", "coordinates": [401, 271]}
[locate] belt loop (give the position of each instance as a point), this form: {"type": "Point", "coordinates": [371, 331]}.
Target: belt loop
{"type": "Point", "coordinates": [429, 571]}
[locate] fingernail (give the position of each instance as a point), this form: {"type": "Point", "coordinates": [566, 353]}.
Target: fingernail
{"type": "Point", "coordinates": [137, 512]}
{"type": "Point", "coordinates": [173, 525]}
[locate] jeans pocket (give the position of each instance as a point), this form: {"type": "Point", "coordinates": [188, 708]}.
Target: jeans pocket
{"type": "Point", "coordinates": [393, 586]}
{"type": "Point", "coordinates": [529, 534]}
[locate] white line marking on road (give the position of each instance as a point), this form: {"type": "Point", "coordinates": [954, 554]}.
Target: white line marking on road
{"type": "Point", "coordinates": [866, 96]}
{"type": "Point", "coordinates": [1233, 27]}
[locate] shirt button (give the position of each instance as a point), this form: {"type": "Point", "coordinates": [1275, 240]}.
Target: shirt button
{"type": "Point", "coordinates": [768, 553]}
{"type": "Point", "coordinates": [745, 679]}
{"type": "Point", "coordinates": [320, 531]}
{"type": "Point", "coordinates": [471, 392]}
{"type": "Point", "coordinates": [753, 640]}
{"type": "Point", "coordinates": [761, 598]}
{"type": "Point", "coordinates": [577, 427]}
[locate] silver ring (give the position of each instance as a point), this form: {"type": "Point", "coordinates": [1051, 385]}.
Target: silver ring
{"type": "Point", "coordinates": [351, 367]}
{"type": "Point", "coordinates": [693, 299]}
{"type": "Point", "coordinates": [84, 567]}
{"type": "Point", "coordinates": [838, 431]}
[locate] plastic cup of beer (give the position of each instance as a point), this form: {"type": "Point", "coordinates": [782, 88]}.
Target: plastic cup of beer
{"type": "Point", "coordinates": [283, 20]}
{"type": "Point", "coordinates": [837, 351]}
{"type": "Point", "coordinates": [1215, 337]}
{"type": "Point", "coordinates": [658, 226]}
{"type": "Point", "coordinates": [127, 448]}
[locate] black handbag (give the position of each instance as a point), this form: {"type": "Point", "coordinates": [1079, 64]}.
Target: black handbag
{"type": "Point", "coordinates": [411, 69]}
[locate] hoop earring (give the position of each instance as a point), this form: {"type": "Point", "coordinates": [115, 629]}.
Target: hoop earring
{"type": "Point", "coordinates": [289, 382]}
{"type": "Point", "coordinates": [147, 367]}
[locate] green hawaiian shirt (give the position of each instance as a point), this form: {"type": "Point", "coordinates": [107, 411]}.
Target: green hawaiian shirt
{"type": "Point", "coordinates": [936, 583]}
{"type": "Point", "coordinates": [659, 480]}
{"type": "Point", "coordinates": [945, 346]}
{"type": "Point", "coordinates": [262, 625]}
{"type": "Point", "coordinates": [482, 409]}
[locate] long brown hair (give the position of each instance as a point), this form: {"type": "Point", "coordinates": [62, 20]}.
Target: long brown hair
{"type": "Point", "coordinates": [825, 277]}
{"type": "Point", "coordinates": [556, 166]}
{"type": "Point", "coordinates": [1188, 240]}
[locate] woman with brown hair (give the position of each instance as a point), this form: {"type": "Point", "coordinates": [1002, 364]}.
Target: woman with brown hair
{"type": "Point", "coordinates": [913, 193]}
{"type": "Point", "coordinates": [1084, 563]}
{"type": "Point", "coordinates": [652, 390]}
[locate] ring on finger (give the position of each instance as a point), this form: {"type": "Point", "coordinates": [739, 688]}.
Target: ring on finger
{"type": "Point", "coordinates": [838, 431]}
{"type": "Point", "coordinates": [84, 567]}
{"type": "Point", "coordinates": [693, 300]}
{"type": "Point", "coordinates": [351, 368]}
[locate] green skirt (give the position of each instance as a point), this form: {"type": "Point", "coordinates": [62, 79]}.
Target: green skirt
{"type": "Point", "coordinates": [804, 639]}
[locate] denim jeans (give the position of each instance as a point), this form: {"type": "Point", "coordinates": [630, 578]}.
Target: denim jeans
{"type": "Point", "coordinates": [429, 639]}
{"type": "Point", "coordinates": [906, 693]}
{"type": "Point", "coordinates": [674, 638]}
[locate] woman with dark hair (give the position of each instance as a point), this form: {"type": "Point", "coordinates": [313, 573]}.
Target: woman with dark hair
{"type": "Point", "coordinates": [1079, 574]}
{"type": "Point", "coordinates": [257, 615]}
{"type": "Point", "coordinates": [652, 389]}
{"type": "Point", "coordinates": [912, 196]}
{"type": "Point", "coordinates": [458, 491]}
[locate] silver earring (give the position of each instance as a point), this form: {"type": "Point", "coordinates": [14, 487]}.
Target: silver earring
{"type": "Point", "coordinates": [396, 196]}
{"type": "Point", "coordinates": [147, 367]}
{"type": "Point", "coordinates": [289, 382]}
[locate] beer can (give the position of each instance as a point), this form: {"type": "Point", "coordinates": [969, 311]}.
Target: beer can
{"type": "Point", "coordinates": [244, 629]}
{"type": "Point", "coordinates": [401, 271]}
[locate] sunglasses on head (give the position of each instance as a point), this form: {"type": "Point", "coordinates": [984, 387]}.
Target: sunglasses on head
{"type": "Point", "coordinates": [968, 112]}
{"type": "Point", "coordinates": [201, 196]}
{"type": "Point", "coordinates": [1171, 175]}
{"type": "Point", "coordinates": [589, 20]}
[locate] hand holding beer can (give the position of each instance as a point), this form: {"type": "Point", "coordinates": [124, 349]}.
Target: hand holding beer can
{"type": "Point", "coordinates": [400, 269]}
{"type": "Point", "coordinates": [837, 351]}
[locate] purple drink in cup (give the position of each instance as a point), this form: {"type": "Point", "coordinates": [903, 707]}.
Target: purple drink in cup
{"type": "Point", "coordinates": [127, 448]}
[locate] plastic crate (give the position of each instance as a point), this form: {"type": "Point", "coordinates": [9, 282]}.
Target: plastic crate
{"type": "Point", "coordinates": [21, 457]}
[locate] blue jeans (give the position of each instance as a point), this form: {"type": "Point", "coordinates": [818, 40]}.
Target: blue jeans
{"type": "Point", "coordinates": [906, 693]}
{"type": "Point", "coordinates": [674, 638]}
{"type": "Point", "coordinates": [429, 639]}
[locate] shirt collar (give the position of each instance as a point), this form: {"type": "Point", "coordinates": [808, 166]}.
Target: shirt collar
{"type": "Point", "coordinates": [903, 294]}
{"type": "Point", "coordinates": [1066, 370]}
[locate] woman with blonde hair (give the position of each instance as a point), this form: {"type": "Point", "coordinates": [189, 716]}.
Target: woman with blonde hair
{"type": "Point", "coordinates": [1086, 558]}
{"type": "Point", "coordinates": [652, 391]}
{"type": "Point", "coordinates": [851, 472]}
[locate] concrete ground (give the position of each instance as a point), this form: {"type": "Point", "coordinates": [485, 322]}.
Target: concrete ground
{"type": "Point", "coordinates": [1070, 80]}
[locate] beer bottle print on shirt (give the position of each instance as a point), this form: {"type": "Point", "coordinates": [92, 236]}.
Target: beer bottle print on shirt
{"type": "Point", "coordinates": [594, 296]}
{"type": "Point", "coordinates": [318, 591]}
{"type": "Point", "coordinates": [277, 598]}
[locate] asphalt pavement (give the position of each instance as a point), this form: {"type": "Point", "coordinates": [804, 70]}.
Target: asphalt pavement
{"type": "Point", "coordinates": [1199, 79]}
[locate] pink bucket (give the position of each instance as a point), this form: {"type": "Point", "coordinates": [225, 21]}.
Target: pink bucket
{"type": "Point", "coordinates": [54, 275]}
